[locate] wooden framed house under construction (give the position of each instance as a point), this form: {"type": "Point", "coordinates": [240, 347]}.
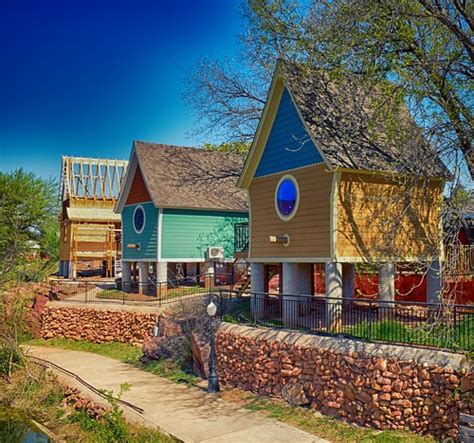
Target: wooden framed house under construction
{"type": "Point", "coordinates": [89, 228]}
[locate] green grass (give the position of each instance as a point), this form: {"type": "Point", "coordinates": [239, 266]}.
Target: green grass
{"type": "Point", "coordinates": [111, 294]}
{"type": "Point", "coordinates": [179, 372]}
{"type": "Point", "coordinates": [240, 312]}
{"type": "Point", "coordinates": [118, 351]}
{"type": "Point", "coordinates": [101, 431]}
{"type": "Point", "coordinates": [117, 294]}
{"type": "Point", "coordinates": [459, 337]}
{"type": "Point", "coordinates": [184, 290]}
{"type": "Point", "coordinates": [326, 427]}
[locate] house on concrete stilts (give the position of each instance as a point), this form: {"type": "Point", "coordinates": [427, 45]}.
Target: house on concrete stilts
{"type": "Point", "coordinates": [328, 186]}
{"type": "Point", "coordinates": [178, 207]}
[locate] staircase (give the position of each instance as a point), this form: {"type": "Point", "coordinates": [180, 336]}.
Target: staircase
{"type": "Point", "coordinates": [241, 271]}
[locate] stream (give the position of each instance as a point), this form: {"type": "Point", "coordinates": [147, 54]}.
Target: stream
{"type": "Point", "coordinates": [16, 428]}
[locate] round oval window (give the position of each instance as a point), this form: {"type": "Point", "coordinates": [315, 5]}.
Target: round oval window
{"type": "Point", "coordinates": [287, 197]}
{"type": "Point", "coordinates": [138, 219]}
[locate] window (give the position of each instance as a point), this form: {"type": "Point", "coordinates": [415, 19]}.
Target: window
{"type": "Point", "coordinates": [287, 197]}
{"type": "Point", "coordinates": [139, 219]}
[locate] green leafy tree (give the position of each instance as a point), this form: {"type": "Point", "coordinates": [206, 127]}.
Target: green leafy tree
{"type": "Point", "coordinates": [28, 223]}
{"type": "Point", "coordinates": [235, 147]}
{"type": "Point", "coordinates": [419, 50]}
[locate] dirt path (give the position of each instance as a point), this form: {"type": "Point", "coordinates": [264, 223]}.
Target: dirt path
{"type": "Point", "coordinates": [189, 414]}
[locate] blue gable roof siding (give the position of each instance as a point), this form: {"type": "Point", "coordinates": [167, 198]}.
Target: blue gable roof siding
{"type": "Point", "coordinates": [147, 239]}
{"type": "Point", "coordinates": [289, 146]}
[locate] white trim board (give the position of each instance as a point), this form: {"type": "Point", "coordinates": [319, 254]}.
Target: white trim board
{"type": "Point", "coordinates": [159, 229]}
{"type": "Point", "coordinates": [289, 259]}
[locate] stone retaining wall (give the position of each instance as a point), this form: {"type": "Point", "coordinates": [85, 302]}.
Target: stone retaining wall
{"type": "Point", "coordinates": [382, 386]}
{"type": "Point", "coordinates": [96, 325]}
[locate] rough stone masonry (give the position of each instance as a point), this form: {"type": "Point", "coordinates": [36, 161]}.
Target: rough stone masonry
{"type": "Point", "coordinates": [97, 326]}
{"type": "Point", "coordinates": [381, 386]}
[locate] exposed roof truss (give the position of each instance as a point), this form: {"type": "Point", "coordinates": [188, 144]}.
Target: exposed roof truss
{"type": "Point", "coordinates": [91, 178]}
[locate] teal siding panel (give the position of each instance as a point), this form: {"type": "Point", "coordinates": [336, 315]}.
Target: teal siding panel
{"type": "Point", "coordinates": [187, 233]}
{"type": "Point", "coordinates": [289, 146]}
{"type": "Point", "coordinates": [147, 239]}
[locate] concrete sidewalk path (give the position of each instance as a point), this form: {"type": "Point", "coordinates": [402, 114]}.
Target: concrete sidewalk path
{"type": "Point", "coordinates": [188, 413]}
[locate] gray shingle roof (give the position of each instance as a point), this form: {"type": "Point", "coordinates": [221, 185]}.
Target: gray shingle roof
{"type": "Point", "coordinates": [183, 177]}
{"type": "Point", "coordinates": [343, 118]}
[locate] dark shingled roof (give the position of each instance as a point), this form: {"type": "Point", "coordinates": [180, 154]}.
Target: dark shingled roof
{"type": "Point", "coordinates": [341, 115]}
{"type": "Point", "coordinates": [182, 177]}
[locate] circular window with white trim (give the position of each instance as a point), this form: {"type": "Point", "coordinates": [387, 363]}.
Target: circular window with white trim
{"type": "Point", "coordinates": [139, 219]}
{"type": "Point", "coordinates": [287, 197]}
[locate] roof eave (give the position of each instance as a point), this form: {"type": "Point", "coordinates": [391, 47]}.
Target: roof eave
{"type": "Point", "coordinates": [127, 182]}
{"type": "Point", "coordinates": [247, 174]}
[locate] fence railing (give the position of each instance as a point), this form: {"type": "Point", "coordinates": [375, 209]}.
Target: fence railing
{"type": "Point", "coordinates": [118, 292]}
{"type": "Point", "coordinates": [422, 324]}
{"type": "Point", "coordinates": [241, 237]}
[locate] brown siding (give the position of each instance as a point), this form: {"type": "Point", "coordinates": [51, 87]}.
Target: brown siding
{"type": "Point", "coordinates": [65, 246]}
{"type": "Point", "coordinates": [380, 218]}
{"type": "Point", "coordinates": [309, 230]}
{"type": "Point", "coordinates": [138, 191]}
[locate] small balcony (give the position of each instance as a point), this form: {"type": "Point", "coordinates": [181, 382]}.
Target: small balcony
{"type": "Point", "coordinates": [241, 238]}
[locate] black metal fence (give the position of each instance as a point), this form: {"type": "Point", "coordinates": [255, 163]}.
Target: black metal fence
{"type": "Point", "coordinates": [133, 293]}
{"type": "Point", "coordinates": [422, 324]}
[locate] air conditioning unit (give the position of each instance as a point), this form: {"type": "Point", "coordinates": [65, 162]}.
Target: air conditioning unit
{"type": "Point", "coordinates": [214, 252]}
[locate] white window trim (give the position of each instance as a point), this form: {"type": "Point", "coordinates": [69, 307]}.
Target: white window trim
{"type": "Point", "coordinates": [295, 210]}
{"type": "Point", "coordinates": [144, 219]}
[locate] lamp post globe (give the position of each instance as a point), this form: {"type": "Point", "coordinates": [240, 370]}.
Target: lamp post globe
{"type": "Point", "coordinates": [212, 379]}
{"type": "Point", "coordinates": [211, 309]}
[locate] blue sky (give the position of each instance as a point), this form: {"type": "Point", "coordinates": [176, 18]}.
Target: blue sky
{"type": "Point", "coordinates": [86, 77]}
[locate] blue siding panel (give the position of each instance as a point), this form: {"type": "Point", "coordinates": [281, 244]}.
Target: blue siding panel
{"type": "Point", "coordinates": [289, 146]}
{"type": "Point", "coordinates": [147, 239]}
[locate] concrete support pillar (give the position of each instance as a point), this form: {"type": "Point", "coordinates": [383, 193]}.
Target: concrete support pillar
{"type": "Point", "coordinates": [433, 282]}
{"type": "Point", "coordinates": [209, 273]}
{"type": "Point", "coordinates": [305, 287]}
{"type": "Point", "coordinates": [161, 278]}
{"type": "Point", "coordinates": [333, 273]}
{"type": "Point", "coordinates": [348, 282]}
{"type": "Point", "coordinates": [257, 288]}
{"type": "Point", "coordinates": [290, 289]}
{"type": "Point", "coordinates": [387, 289]}
{"type": "Point", "coordinates": [143, 274]}
{"type": "Point", "coordinates": [305, 279]}
{"type": "Point", "coordinates": [387, 282]}
{"type": "Point", "coordinates": [126, 276]}
{"type": "Point", "coordinates": [72, 272]}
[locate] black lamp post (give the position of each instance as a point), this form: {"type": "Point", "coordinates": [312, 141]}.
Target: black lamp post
{"type": "Point", "coordinates": [212, 379]}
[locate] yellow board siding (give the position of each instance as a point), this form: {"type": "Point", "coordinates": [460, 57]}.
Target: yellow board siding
{"type": "Point", "coordinates": [309, 229]}
{"type": "Point", "coordinates": [378, 218]}
{"type": "Point", "coordinates": [65, 241]}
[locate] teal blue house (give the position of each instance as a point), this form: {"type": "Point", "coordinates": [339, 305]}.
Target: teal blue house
{"type": "Point", "coordinates": [178, 207]}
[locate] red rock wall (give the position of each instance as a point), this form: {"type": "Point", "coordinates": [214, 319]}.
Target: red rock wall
{"type": "Point", "coordinates": [97, 326]}
{"type": "Point", "coordinates": [384, 393]}
{"type": "Point", "coordinates": [36, 313]}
